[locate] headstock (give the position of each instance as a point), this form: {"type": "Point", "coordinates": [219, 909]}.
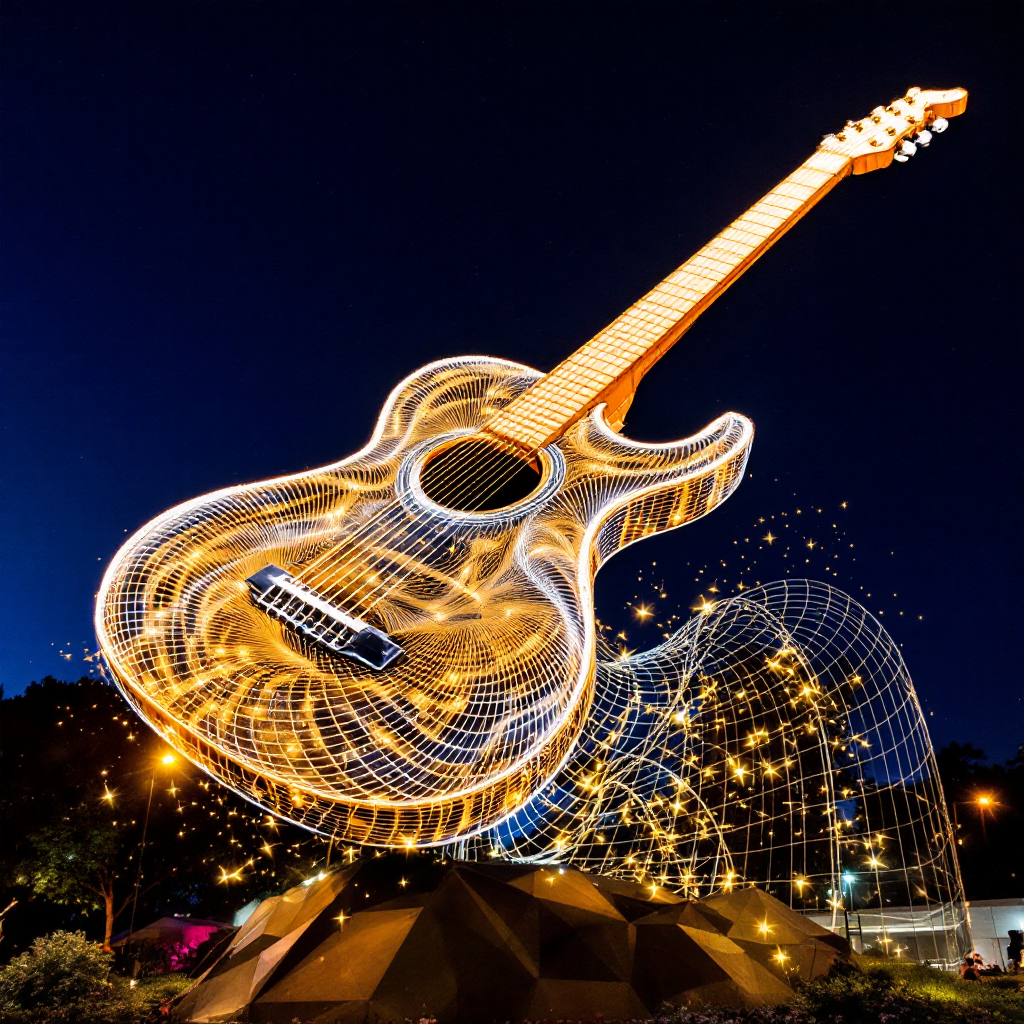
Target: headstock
{"type": "Point", "coordinates": [896, 131]}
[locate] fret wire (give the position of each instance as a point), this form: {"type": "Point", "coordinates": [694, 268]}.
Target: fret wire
{"type": "Point", "coordinates": [625, 349]}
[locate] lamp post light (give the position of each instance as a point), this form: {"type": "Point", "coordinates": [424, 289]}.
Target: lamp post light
{"type": "Point", "coordinates": [167, 759]}
{"type": "Point", "coordinates": [846, 886]}
{"type": "Point", "coordinates": [983, 803]}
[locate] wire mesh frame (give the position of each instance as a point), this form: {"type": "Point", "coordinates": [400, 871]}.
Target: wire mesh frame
{"type": "Point", "coordinates": [775, 740]}
{"type": "Point", "coordinates": [494, 611]}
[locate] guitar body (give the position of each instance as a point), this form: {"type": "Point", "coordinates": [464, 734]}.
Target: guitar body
{"type": "Point", "coordinates": [493, 612]}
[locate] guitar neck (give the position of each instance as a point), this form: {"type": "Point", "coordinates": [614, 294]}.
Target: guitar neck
{"type": "Point", "coordinates": [609, 367]}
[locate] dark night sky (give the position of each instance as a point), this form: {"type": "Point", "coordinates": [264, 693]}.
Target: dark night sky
{"type": "Point", "coordinates": [229, 229]}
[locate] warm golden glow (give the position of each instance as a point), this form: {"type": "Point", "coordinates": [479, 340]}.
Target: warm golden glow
{"type": "Point", "coordinates": [493, 611]}
{"type": "Point", "coordinates": [485, 704]}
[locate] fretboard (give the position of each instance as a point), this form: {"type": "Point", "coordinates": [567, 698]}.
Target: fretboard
{"type": "Point", "coordinates": [609, 367]}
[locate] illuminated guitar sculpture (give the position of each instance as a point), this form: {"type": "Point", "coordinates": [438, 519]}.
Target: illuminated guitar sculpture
{"type": "Point", "coordinates": [399, 648]}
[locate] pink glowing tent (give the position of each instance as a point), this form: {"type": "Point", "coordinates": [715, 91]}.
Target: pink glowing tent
{"type": "Point", "coordinates": [191, 931]}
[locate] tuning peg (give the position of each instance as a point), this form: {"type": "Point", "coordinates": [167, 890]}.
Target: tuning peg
{"type": "Point", "coordinates": [923, 137]}
{"type": "Point", "coordinates": [905, 152]}
{"type": "Point", "coordinates": [940, 124]}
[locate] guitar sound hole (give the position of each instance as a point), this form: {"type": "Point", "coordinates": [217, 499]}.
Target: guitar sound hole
{"type": "Point", "coordinates": [477, 476]}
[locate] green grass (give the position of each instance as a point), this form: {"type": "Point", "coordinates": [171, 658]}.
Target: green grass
{"type": "Point", "coordinates": [895, 990]}
{"type": "Point", "coordinates": [150, 991]}
{"type": "Point", "coordinates": [1002, 996]}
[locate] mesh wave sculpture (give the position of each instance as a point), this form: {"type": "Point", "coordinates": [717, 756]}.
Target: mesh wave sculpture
{"type": "Point", "coordinates": [775, 740]}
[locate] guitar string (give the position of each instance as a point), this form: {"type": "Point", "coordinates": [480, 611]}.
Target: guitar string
{"type": "Point", "coordinates": [469, 464]}
{"type": "Point", "coordinates": [418, 526]}
{"type": "Point", "coordinates": [490, 484]}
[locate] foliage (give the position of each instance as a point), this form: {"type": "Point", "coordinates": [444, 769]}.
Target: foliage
{"type": "Point", "coordinates": [157, 958]}
{"type": "Point", "coordinates": [880, 992]}
{"type": "Point", "coordinates": [62, 979]}
{"type": "Point", "coordinates": [71, 855]}
{"type": "Point", "coordinates": [78, 765]}
{"type": "Point", "coordinates": [989, 839]}
{"type": "Point", "coordinates": [996, 999]}
{"type": "Point", "coordinates": [157, 992]}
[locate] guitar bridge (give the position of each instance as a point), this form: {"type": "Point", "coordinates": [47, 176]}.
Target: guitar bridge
{"type": "Point", "coordinates": [301, 608]}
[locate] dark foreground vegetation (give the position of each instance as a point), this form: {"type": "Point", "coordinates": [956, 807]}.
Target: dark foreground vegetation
{"type": "Point", "coordinates": [65, 979]}
{"type": "Point", "coordinates": [85, 781]}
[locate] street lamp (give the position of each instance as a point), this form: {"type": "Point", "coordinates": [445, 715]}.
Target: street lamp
{"type": "Point", "coordinates": [846, 880]}
{"type": "Point", "coordinates": [983, 803]}
{"type": "Point", "coordinates": [167, 759]}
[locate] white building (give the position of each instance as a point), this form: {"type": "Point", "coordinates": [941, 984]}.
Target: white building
{"type": "Point", "coordinates": [991, 921]}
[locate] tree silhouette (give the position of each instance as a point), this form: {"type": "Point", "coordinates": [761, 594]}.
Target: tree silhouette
{"type": "Point", "coordinates": [80, 861]}
{"type": "Point", "coordinates": [79, 769]}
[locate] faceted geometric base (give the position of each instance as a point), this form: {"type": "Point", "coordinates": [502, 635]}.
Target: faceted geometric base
{"type": "Point", "coordinates": [396, 938]}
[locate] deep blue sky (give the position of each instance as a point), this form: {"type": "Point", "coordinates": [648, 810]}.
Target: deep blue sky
{"type": "Point", "coordinates": [229, 229]}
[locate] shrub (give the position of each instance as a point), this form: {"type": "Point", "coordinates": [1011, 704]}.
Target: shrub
{"type": "Point", "coordinates": [867, 998]}
{"type": "Point", "coordinates": [62, 979]}
{"type": "Point", "coordinates": [157, 958]}
{"type": "Point", "coordinates": [725, 1015]}
{"type": "Point", "coordinates": [875, 991]}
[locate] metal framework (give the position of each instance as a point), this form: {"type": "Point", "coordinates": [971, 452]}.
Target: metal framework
{"type": "Point", "coordinates": [775, 740]}
{"type": "Point", "coordinates": [493, 611]}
